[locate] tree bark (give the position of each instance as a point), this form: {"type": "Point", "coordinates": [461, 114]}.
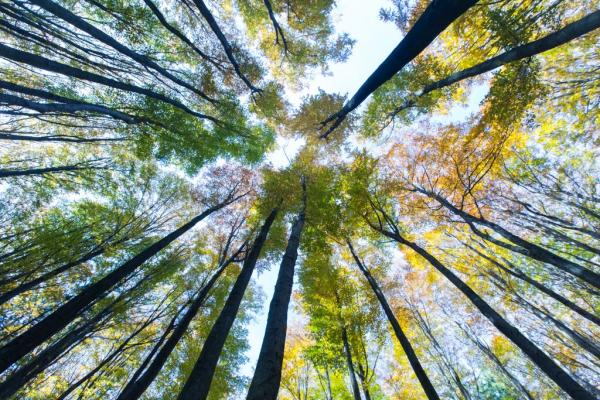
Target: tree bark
{"type": "Point", "coordinates": [210, 19]}
{"type": "Point", "coordinates": [9, 173]}
{"type": "Point", "coordinates": [267, 375]}
{"type": "Point", "coordinates": [402, 338]}
{"type": "Point", "coordinates": [555, 39]}
{"type": "Point", "coordinates": [542, 288]}
{"type": "Point", "coordinates": [143, 377]}
{"type": "Point", "coordinates": [65, 314]}
{"type": "Point", "coordinates": [539, 358]}
{"type": "Point", "coordinates": [7, 296]}
{"type": "Point", "coordinates": [181, 36]}
{"type": "Point", "coordinates": [88, 28]}
{"type": "Point", "coordinates": [524, 247]}
{"type": "Point", "coordinates": [434, 20]}
{"type": "Point", "coordinates": [198, 383]}
{"type": "Point", "coordinates": [350, 364]}
{"type": "Point", "coordinates": [48, 65]}
{"type": "Point", "coordinates": [68, 105]}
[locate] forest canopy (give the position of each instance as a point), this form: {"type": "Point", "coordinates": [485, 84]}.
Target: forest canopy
{"type": "Point", "coordinates": [186, 214]}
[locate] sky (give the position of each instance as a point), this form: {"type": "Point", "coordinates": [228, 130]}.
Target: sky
{"type": "Point", "coordinates": [375, 39]}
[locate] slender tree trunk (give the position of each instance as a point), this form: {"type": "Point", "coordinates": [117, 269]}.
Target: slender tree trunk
{"type": "Point", "coordinates": [490, 354]}
{"type": "Point", "coordinates": [67, 105]}
{"type": "Point", "coordinates": [524, 247]}
{"type": "Point", "coordinates": [434, 20]}
{"type": "Point", "coordinates": [143, 377]}
{"type": "Point", "coordinates": [267, 375]}
{"type": "Point", "coordinates": [363, 382]}
{"type": "Point", "coordinates": [40, 362]}
{"type": "Point", "coordinates": [85, 26]}
{"type": "Point", "coordinates": [9, 173]}
{"type": "Point", "coordinates": [210, 19]}
{"type": "Point", "coordinates": [181, 36]}
{"type": "Point", "coordinates": [7, 296]}
{"type": "Point", "coordinates": [402, 338]}
{"type": "Point", "coordinates": [109, 358]}
{"type": "Point", "coordinates": [539, 358]}
{"type": "Point", "coordinates": [558, 38]}
{"type": "Point", "coordinates": [513, 271]}
{"type": "Point", "coordinates": [48, 65]}
{"type": "Point", "coordinates": [198, 383]}
{"type": "Point", "coordinates": [350, 364]}
{"type": "Point", "coordinates": [65, 314]}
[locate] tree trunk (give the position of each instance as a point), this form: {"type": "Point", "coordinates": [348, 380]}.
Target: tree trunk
{"type": "Point", "coordinates": [143, 377]}
{"type": "Point", "coordinates": [48, 65]}
{"type": "Point", "coordinates": [527, 248]}
{"type": "Point", "coordinates": [350, 364]}
{"type": "Point", "coordinates": [539, 358]}
{"type": "Point", "coordinates": [9, 173]}
{"type": "Point", "coordinates": [558, 38]}
{"type": "Point", "coordinates": [542, 288]}
{"type": "Point", "coordinates": [210, 19]}
{"type": "Point", "coordinates": [181, 36]}
{"type": "Point", "coordinates": [267, 375]}
{"type": "Point", "coordinates": [46, 357]}
{"type": "Point", "coordinates": [402, 338]}
{"type": "Point", "coordinates": [65, 314]}
{"type": "Point", "coordinates": [198, 383]}
{"type": "Point", "coordinates": [434, 20]}
{"type": "Point", "coordinates": [24, 287]}
{"type": "Point", "coordinates": [85, 26]}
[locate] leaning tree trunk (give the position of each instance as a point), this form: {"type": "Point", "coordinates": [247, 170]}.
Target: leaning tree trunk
{"type": "Point", "coordinates": [267, 375]}
{"type": "Point", "coordinates": [539, 358]}
{"type": "Point", "coordinates": [434, 20]}
{"type": "Point", "coordinates": [350, 364]}
{"type": "Point", "coordinates": [523, 246]}
{"type": "Point", "coordinates": [517, 273]}
{"type": "Point", "coordinates": [555, 39]}
{"type": "Point", "coordinates": [144, 376]}
{"type": "Point", "coordinates": [24, 287]}
{"type": "Point", "coordinates": [210, 19]}
{"type": "Point", "coordinates": [46, 64]}
{"type": "Point", "coordinates": [402, 338]}
{"type": "Point", "coordinates": [198, 383]}
{"type": "Point", "coordinates": [65, 314]}
{"type": "Point", "coordinates": [103, 37]}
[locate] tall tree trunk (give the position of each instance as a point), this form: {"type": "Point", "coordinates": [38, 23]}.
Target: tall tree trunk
{"type": "Point", "coordinates": [53, 66]}
{"type": "Point", "coordinates": [555, 39]}
{"type": "Point", "coordinates": [363, 382]}
{"type": "Point", "coordinates": [179, 34]}
{"type": "Point", "coordinates": [267, 375]}
{"type": "Point", "coordinates": [539, 358]}
{"type": "Point", "coordinates": [9, 173]}
{"type": "Point", "coordinates": [24, 287]}
{"type": "Point", "coordinates": [75, 105]}
{"type": "Point", "coordinates": [523, 246]}
{"type": "Point", "coordinates": [517, 273]}
{"type": "Point", "coordinates": [434, 20]}
{"type": "Point", "coordinates": [143, 377]}
{"type": "Point", "coordinates": [65, 314]}
{"type": "Point", "coordinates": [402, 338]}
{"type": "Point", "coordinates": [210, 19]}
{"type": "Point", "coordinates": [85, 26]}
{"type": "Point", "coordinates": [350, 364]}
{"type": "Point", "coordinates": [109, 358]}
{"type": "Point", "coordinates": [198, 383]}
{"type": "Point", "coordinates": [46, 357]}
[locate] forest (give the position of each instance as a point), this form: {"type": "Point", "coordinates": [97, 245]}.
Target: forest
{"type": "Point", "coordinates": [188, 212]}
